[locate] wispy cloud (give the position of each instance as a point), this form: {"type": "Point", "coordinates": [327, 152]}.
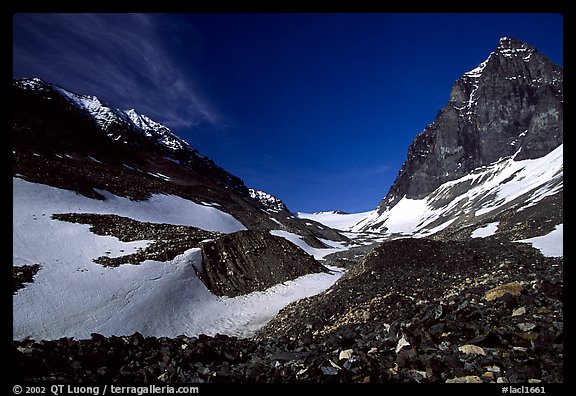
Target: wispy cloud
{"type": "Point", "coordinates": [120, 57]}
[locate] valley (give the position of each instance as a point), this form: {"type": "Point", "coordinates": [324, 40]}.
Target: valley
{"type": "Point", "coordinates": [136, 258]}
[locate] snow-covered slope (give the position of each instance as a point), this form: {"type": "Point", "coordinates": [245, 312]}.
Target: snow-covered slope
{"type": "Point", "coordinates": [107, 116]}
{"type": "Point", "coordinates": [470, 201]}
{"type": "Point", "coordinates": [338, 221]}
{"type": "Point", "coordinates": [31, 198]}
{"type": "Point", "coordinates": [71, 296]}
{"type": "Point", "coordinates": [492, 200]}
{"type": "Point", "coordinates": [129, 155]}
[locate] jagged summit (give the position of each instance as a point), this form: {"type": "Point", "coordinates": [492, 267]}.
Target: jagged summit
{"type": "Point", "coordinates": [508, 47]}
{"type": "Point", "coordinates": [109, 117]}
{"type": "Point", "coordinates": [506, 110]}
{"type": "Point", "coordinates": [512, 43]}
{"type": "Point", "coordinates": [511, 104]}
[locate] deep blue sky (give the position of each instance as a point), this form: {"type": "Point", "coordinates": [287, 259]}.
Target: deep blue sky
{"type": "Point", "coordinates": [317, 109]}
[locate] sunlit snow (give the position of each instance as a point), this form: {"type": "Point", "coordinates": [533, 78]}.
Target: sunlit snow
{"type": "Point", "coordinates": [551, 244]}
{"type": "Point", "coordinates": [343, 222]}
{"type": "Point", "coordinates": [494, 185]}
{"type": "Point", "coordinates": [487, 230]}
{"type": "Point", "coordinates": [318, 254]}
{"type": "Point", "coordinates": [71, 296]}
{"type": "Point", "coordinates": [167, 209]}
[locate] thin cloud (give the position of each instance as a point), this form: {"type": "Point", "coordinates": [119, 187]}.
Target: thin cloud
{"type": "Point", "coordinates": [120, 57]}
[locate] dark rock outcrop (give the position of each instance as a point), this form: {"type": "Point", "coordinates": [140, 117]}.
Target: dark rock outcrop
{"type": "Point", "coordinates": [512, 104]}
{"type": "Point", "coordinates": [248, 261]}
{"type": "Point", "coordinates": [167, 240]}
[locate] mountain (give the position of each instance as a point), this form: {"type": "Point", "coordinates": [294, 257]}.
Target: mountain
{"type": "Point", "coordinates": [81, 143]}
{"type": "Point", "coordinates": [450, 295]}
{"type": "Point", "coordinates": [114, 213]}
{"type": "Point", "coordinates": [493, 155]}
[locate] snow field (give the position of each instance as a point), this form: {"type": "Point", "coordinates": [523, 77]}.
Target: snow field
{"type": "Point", "coordinates": [72, 296]}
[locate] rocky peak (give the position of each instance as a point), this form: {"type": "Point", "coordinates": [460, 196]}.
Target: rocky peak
{"type": "Point", "coordinates": [268, 200]}
{"type": "Point", "coordinates": [156, 130]}
{"type": "Point", "coordinates": [54, 116]}
{"type": "Point", "coordinates": [510, 105]}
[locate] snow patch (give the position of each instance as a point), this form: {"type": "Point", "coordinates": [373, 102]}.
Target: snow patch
{"type": "Point", "coordinates": [343, 222]}
{"type": "Point", "coordinates": [318, 254]}
{"type": "Point", "coordinates": [71, 296]}
{"type": "Point", "coordinates": [156, 299]}
{"type": "Point", "coordinates": [487, 230]}
{"type": "Point", "coordinates": [168, 209]}
{"type": "Point", "coordinates": [551, 244]}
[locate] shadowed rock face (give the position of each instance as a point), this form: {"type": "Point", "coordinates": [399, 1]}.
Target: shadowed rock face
{"type": "Point", "coordinates": [511, 104]}
{"type": "Point", "coordinates": [248, 261]}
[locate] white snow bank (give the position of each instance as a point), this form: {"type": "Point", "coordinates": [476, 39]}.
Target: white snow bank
{"type": "Point", "coordinates": [71, 296]}
{"type": "Point", "coordinates": [343, 222]}
{"type": "Point", "coordinates": [487, 230]}
{"type": "Point", "coordinates": [551, 245]}
{"type": "Point", "coordinates": [170, 209]}
{"type": "Point", "coordinates": [316, 252]}
{"type": "Point", "coordinates": [156, 299]}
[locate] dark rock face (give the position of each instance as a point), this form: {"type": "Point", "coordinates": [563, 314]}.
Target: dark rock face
{"type": "Point", "coordinates": [248, 261]}
{"type": "Point", "coordinates": [49, 120]}
{"type": "Point", "coordinates": [511, 104]}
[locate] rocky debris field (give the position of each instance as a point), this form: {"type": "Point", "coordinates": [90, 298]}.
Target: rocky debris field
{"type": "Point", "coordinates": [428, 310]}
{"type": "Point", "coordinates": [413, 310]}
{"type": "Point", "coordinates": [22, 275]}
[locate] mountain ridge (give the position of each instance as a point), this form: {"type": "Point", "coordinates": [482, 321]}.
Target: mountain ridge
{"type": "Point", "coordinates": [509, 108]}
{"type": "Point", "coordinates": [490, 107]}
{"type": "Point", "coordinates": [128, 154]}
